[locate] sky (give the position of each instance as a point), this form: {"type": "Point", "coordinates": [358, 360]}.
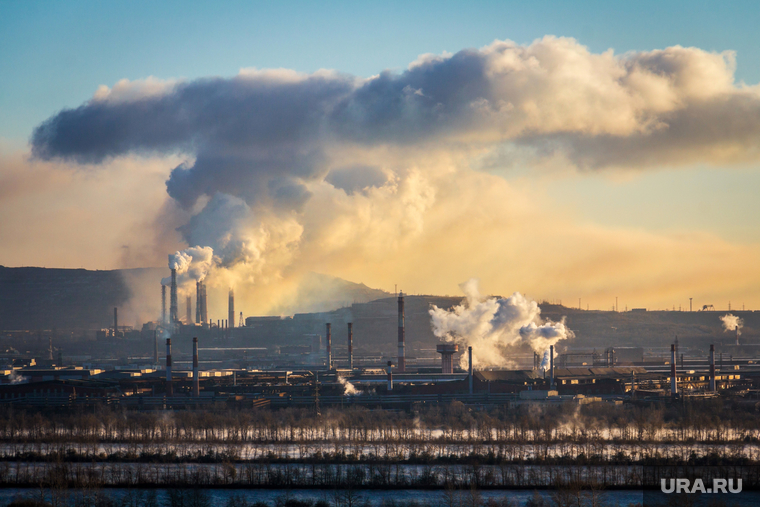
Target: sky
{"type": "Point", "coordinates": [561, 149]}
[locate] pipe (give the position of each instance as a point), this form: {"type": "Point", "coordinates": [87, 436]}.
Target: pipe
{"type": "Point", "coordinates": [328, 334]}
{"type": "Point", "coordinates": [196, 379]}
{"type": "Point", "coordinates": [712, 368]}
{"type": "Point", "coordinates": [469, 352]}
{"type": "Point", "coordinates": [350, 346]}
{"type": "Point", "coordinates": [401, 334]}
{"type": "Point", "coordinates": [673, 380]}
{"type": "Point", "coordinates": [169, 387]}
{"type": "Point", "coordinates": [390, 375]}
{"type": "Point", "coordinates": [115, 322]}
{"type": "Point", "coordinates": [173, 309]}
{"type": "Point", "coordinates": [163, 305]}
{"type": "Point", "coordinates": [551, 367]}
{"type": "Point", "coordinates": [231, 310]}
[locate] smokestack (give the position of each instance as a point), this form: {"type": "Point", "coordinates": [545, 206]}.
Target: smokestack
{"type": "Point", "coordinates": [155, 347]}
{"type": "Point", "coordinates": [673, 381]}
{"type": "Point", "coordinates": [712, 368]}
{"type": "Point", "coordinates": [390, 375]}
{"type": "Point", "coordinates": [469, 353]}
{"type": "Point", "coordinates": [737, 335]}
{"type": "Point", "coordinates": [447, 350]}
{"type": "Point", "coordinates": [204, 305]}
{"type": "Point", "coordinates": [401, 335]}
{"type": "Point", "coordinates": [551, 366]}
{"type": "Point", "coordinates": [169, 387]}
{"type": "Point", "coordinates": [231, 311]}
{"type": "Point", "coordinates": [115, 322]}
{"type": "Point", "coordinates": [350, 346]}
{"type": "Point", "coordinates": [196, 380]}
{"type": "Point", "coordinates": [50, 348]}
{"type": "Point", "coordinates": [173, 305]}
{"type": "Point", "coordinates": [189, 310]}
{"type": "Point", "coordinates": [163, 305]}
{"type": "Point", "coordinates": [198, 318]}
{"type": "Point", "coordinates": [328, 334]}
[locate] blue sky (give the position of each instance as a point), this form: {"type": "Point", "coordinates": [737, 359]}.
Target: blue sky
{"type": "Point", "coordinates": [54, 54]}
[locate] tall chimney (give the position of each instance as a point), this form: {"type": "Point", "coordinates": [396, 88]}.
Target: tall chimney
{"type": "Point", "coordinates": [196, 380]}
{"type": "Point", "coordinates": [390, 375]}
{"type": "Point", "coordinates": [50, 348]}
{"type": "Point", "coordinates": [551, 367]}
{"type": "Point", "coordinates": [204, 304]}
{"type": "Point", "coordinates": [173, 305]}
{"type": "Point", "coordinates": [163, 305]}
{"type": "Point", "coordinates": [469, 353]}
{"type": "Point", "coordinates": [155, 347]}
{"type": "Point", "coordinates": [115, 322]}
{"type": "Point", "coordinates": [712, 368]}
{"type": "Point", "coordinates": [231, 310]}
{"type": "Point", "coordinates": [198, 319]}
{"type": "Point", "coordinates": [189, 310]}
{"type": "Point", "coordinates": [328, 334]}
{"type": "Point", "coordinates": [673, 381]}
{"type": "Point", "coordinates": [169, 387]}
{"type": "Point", "coordinates": [350, 346]}
{"type": "Point", "coordinates": [401, 334]}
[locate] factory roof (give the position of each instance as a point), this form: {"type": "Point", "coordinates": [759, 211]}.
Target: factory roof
{"type": "Point", "coordinates": [508, 375]}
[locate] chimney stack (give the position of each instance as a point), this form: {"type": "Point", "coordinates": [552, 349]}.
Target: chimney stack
{"type": "Point", "coordinates": [163, 305]}
{"type": "Point", "coordinates": [155, 347]}
{"type": "Point", "coordinates": [551, 367]}
{"type": "Point", "coordinates": [196, 380]}
{"type": "Point", "coordinates": [231, 311]}
{"type": "Point", "coordinates": [401, 334]}
{"type": "Point", "coordinates": [173, 304]}
{"type": "Point", "coordinates": [198, 319]}
{"type": "Point", "coordinates": [328, 338]}
{"type": "Point", "coordinates": [673, 380]}
{"type": "Point", "coordinates": [390, 375]}
{"type": "Point", "coordinates": [169, 387]}
{"type": "Point", "coordinates": [469, 353]}
{"type": "Point", "coordinates": [350, 346]}
{"type": "Point", "coordinates": [50, 348]}
{"type": "Point", "coordinates": [204, 304]}
{"type": "Point", "coordinates": [712, 368]}
{"type": "Point", "coordinates": [115, 322]}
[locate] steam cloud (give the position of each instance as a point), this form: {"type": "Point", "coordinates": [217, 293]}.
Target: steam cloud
{"type": "Point", "coordinates": [262, 145]}
{"type": "Point", "coordinates": [192, 265]}
{"type": "Point", "coordinates": [492, 326]}
{"type": "Point", "coordinates": [732, 323]}
{"type": "Point", "coordinates": [348, 388]}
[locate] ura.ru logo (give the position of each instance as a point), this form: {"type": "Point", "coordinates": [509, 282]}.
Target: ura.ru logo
{"type": "Point", "coordinates": [698, 486]}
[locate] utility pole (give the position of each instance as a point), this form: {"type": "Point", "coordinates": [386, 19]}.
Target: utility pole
{"type": "Point", "coordinates": [689, 304]}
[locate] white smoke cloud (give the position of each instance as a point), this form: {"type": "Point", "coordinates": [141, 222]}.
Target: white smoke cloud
{"type": "Point", "coordinates": [732, 323]}
{"type": "Point", "coordinates": [348, 388]}
{"type": "Point", "coordinates": [192, 264]}
{"type": "Point", "coordinates": [492, 326]}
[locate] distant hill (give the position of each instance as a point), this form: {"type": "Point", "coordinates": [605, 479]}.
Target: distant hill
{"type": "Point", "coordinates": [46, 298]}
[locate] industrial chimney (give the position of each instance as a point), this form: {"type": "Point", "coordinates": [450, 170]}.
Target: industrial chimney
{"type": "Point", "coordinates": [712, 368]}
{"type": "Point", "coordinates": [390, 375]}
{"type": "Point", "coordinates": [469, 352]}
{"type": "Point", "coordinates": [163, 305]}
{"type": "Point", "coordinates": [196, 380]}
{"type": "Point", "coordinates": [198, 318]}
{"type": "Point", "coordinates": [551, 366]}
{"type": "Point", "coordinates": [231, 311]}
{"type": "Point", "coordinates": [401, 335]}
{"type": "Point", "coordinates": [673, 380]}
{"type": "Point", "coordinates": [173, 304]}
{"type": "Point", "coordinates": [350, 346]}
{"type": "Point", "coordinates": [155, 347]}
{"type": "Point", "coordinates": [169, 387]}
{"type": "Point", "coordinates": [204, 305]}
{"type": "Point", "coordinates": [328, 334]}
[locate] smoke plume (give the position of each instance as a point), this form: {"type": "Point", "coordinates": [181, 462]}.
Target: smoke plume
{"type": "Point", "coordinates": [732, 323]}
{"type": "Point", "coordinates": [492, 327]}
{"type": "Point", "coordinates": [348, 388]}
{"type": "Point", "coordinates": [192, 265]}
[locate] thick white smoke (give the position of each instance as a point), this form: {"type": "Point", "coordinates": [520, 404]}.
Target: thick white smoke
{"type": "Point", "coordinates": [492, 326]}
{"type": "Point", "coordinates": [732, 323]}
{"type": "Point", "coordinates": [192, 265]}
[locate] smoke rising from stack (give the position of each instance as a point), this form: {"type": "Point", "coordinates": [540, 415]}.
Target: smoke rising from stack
{"type": "Point", "coordinates": [492, 327]}
{"type": "Point", "coordinates": [732, 323]}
